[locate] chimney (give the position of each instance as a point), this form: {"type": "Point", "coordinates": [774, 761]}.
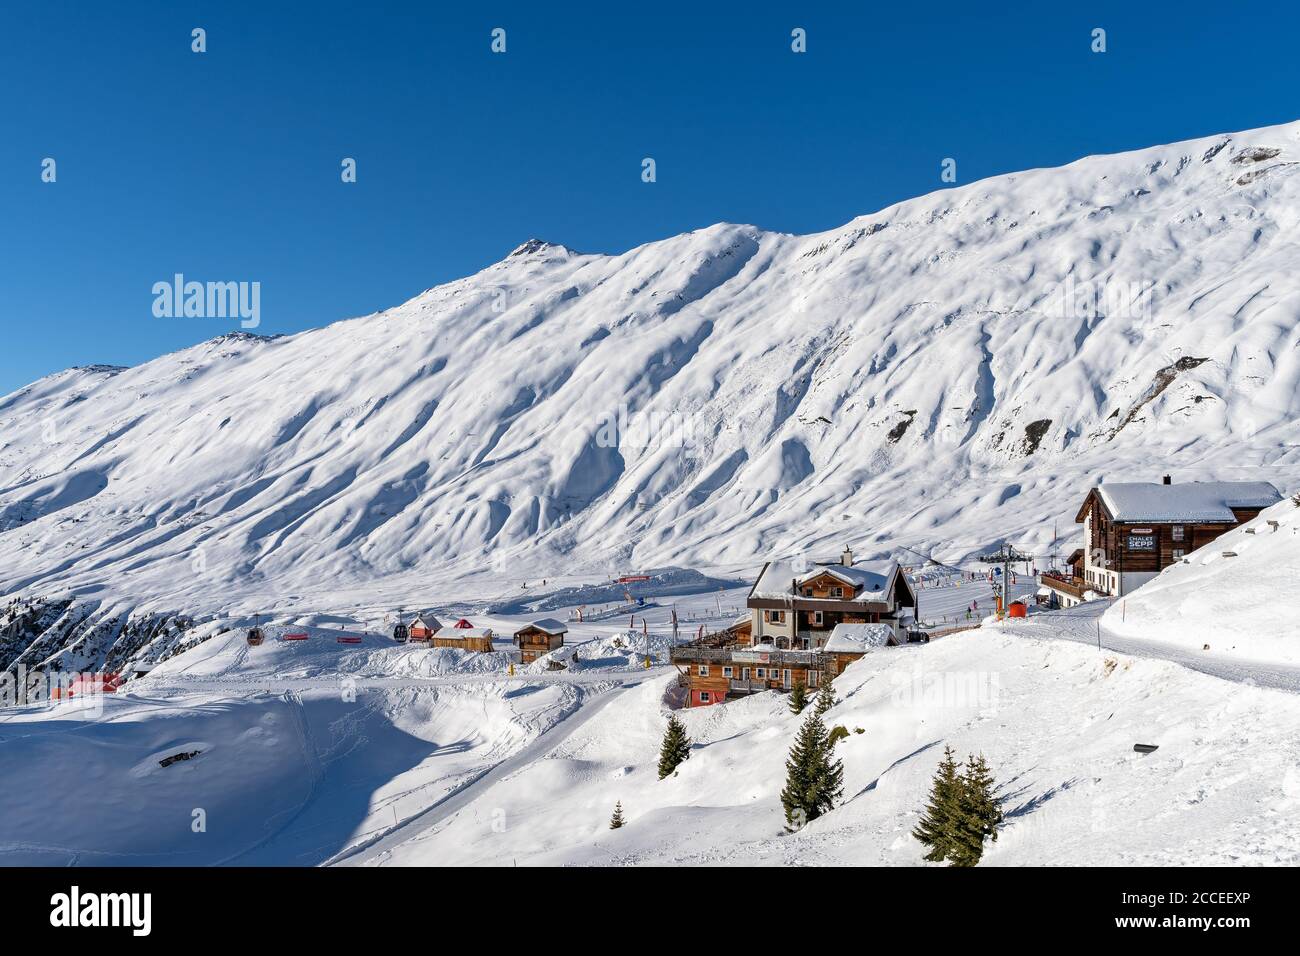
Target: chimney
{"type": "Point", "coordinates": [846, 558]}
{"type": "Point", "coordinates": [1168, 480]}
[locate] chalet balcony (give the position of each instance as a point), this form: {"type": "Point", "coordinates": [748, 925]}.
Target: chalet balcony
{"type": "Point", "coordinates": [748, 686]}
{"type": "Point", "coordinates": [740, 654]}
{"type": "Point", "coordinates": [1072, 586]}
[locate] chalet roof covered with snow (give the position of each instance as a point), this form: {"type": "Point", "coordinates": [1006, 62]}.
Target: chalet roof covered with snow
{"type": "Point", "coordinates": [548, 625]}
{"type": "Point", "coordinates": [872, 581]}
{"type": "Point", "coordinates": [1210, 501]}
{"type": "Point", "coordinates": [464, 633]}
{"type": "Point", "coordinates": [858, 638]}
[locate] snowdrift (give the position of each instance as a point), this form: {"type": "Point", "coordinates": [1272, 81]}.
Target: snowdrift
{"type": "Point", "coordinates": [1236, 594]}
{"type": "Point", "coordinates": [292, 779]}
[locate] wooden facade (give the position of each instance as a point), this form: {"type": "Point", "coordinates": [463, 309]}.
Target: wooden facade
{"type": "Point", "coordinates": [423, 628]}
{"type": "Point", "coordinates": [1122, 551]}
{"type": "Point", "coordinates": [476, 640]}
{"type": "Point", "coordinates": [714, 674]}
{"type": "Point", "coordinates": [816, 605]}
{"type": "Point", "coordinates": [538, 639]}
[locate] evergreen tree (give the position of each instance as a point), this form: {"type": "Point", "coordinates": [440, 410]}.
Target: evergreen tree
{"type": "Point", "coordinates": [616, 821]}
{"type": "Point", "coordinates": [825, 697]}
{"type": "Point", "coordinates": [814, 778]}
{"type": "Point", "coordinates": [676, 747]}
{"type": "Point", "coordinates": [980, 816]}
{"type": "Point", "coordinates": [798, 698]}
{"type": "Point", "coordinates": [938, 826]}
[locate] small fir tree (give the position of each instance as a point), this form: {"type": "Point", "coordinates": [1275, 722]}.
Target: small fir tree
{"type": "Point", "coordinates": [825, 697]}
{"type": "Point", "coordinates": [616, 821]}
{"type": "Point", "coordinates": [798, 698]}
{"type": "Point", "coordinates": [814, 778]}
{"type": "Point", "coordinates": [980, 816]}
{"type": "Point", "coordinates": [675, 748]}
{"type": "Point", "coordinates": [938, 825]}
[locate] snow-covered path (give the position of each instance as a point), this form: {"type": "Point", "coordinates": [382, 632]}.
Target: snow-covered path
{"type": "Point", "coordinates": [1084, 625]}
{"type": "Point", "coordinates": [280, 684]}
{"type": "Point", "coordinates": [377, 851]}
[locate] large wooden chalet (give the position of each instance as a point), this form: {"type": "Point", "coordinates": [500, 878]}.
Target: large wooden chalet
{"type": "Point", "coordinates": [802, 624]}
{"type": "Point", "coordinates": [1134, 530]}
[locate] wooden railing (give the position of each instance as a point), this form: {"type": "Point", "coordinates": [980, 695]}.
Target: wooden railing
{"type": "Point", "coordinates": [1075, 587]}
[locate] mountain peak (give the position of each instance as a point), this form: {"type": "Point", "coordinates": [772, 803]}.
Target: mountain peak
{"type": "Point", "coordinates": [539, 247]}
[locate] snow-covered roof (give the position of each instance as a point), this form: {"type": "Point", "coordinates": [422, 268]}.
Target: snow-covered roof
{"type": "Point", "coordinates": [428, 620]}
{"type": "Point", "coordinates": [1188, 501]}
{"type": "Point", "coordinates": [548, 625]}
{"type": "Point", "coordinates": [872, 581]}
{"type": "Point", "coordinates": [858, 638]}
{"type": "Point", "coordinates": [463, 633]}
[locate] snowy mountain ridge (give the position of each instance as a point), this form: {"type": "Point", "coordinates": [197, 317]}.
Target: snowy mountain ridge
{"type": "Point", "coordinates": [946, 373]}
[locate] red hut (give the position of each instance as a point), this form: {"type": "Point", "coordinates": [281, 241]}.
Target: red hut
{"type": "Point", "coordinates": [424, 627]}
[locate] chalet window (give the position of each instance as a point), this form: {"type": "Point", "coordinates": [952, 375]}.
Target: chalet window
{"type": "Point", "coordinates": [812, 678]}
{"type": "Point", "coordinates": [785, 677]}
{"type": "Point", "coordinates": [744, 673]}
{"type": "Point", "coordinates": [817, 618]}
{"type": "Point", "coordinates": [837, 592]}
{"type": "Point", "coordinates": [1178, 554]}
{"type": "Point", "coordinates": [704, 670]}
{"type": "Point", "coordinates": [1176, 532]}
{"type": "Point", "coordinates": [726, 672]}
{"type": "Point", "coordinates": [776, 617]}
{"type": "Point", "coordinates": [761, 674]}
{"type": "Point", "coordinates": [704, 697]}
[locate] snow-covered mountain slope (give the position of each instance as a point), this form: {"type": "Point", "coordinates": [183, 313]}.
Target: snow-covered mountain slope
{"type": "Point", "coordinates": [1057, 722]}
{"type": "Point", "coordinates": [286, 780]}
{"type": "Point", "coordinates": [942, 374]}
{"type": "Point", "coordinates": [1229, 599]}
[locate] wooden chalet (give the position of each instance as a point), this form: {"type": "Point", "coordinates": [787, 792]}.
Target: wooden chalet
{"type": "Point", "coordinates": [802, 625]}
{"type": "Point", "coordinates": [796, 609]}
{"type": "Point", "coordinates": [538, 638]}
{"type": "Point", "coordinates": [713, 669]}
{"type": "Point", "coordinates": [424, 627]}
{"type": "Point", "coordinates": [475, 639]}
{"type": "Point", "coordinates": [1134, 530]}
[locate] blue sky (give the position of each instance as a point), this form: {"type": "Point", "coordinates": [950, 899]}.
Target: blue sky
{"type": "Point", "coordinates": [225, 165]}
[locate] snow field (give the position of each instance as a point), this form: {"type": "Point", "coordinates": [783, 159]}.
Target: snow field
{"type": "Point", "coordinates": [1057, 722]}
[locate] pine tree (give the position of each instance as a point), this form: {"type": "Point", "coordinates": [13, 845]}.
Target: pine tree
{"type": "Point", "coordinates": [616, 821]}
{"type": "Point", "coordinates": [980, 816]}
{"type": "Point", "coordinates": [798, 698]}
{"type": "Point", "coordinates": [937, 829]}
{"type": "Point", "coordinates": [814, 778]}
{"type": "Point", "coordinates": [825, 697]}
{"type": "Point", "coordinates": [676, 747]}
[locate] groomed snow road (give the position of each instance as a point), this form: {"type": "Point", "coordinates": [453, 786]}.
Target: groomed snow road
{"type": "Point", "coordinates": [1083, 624]}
